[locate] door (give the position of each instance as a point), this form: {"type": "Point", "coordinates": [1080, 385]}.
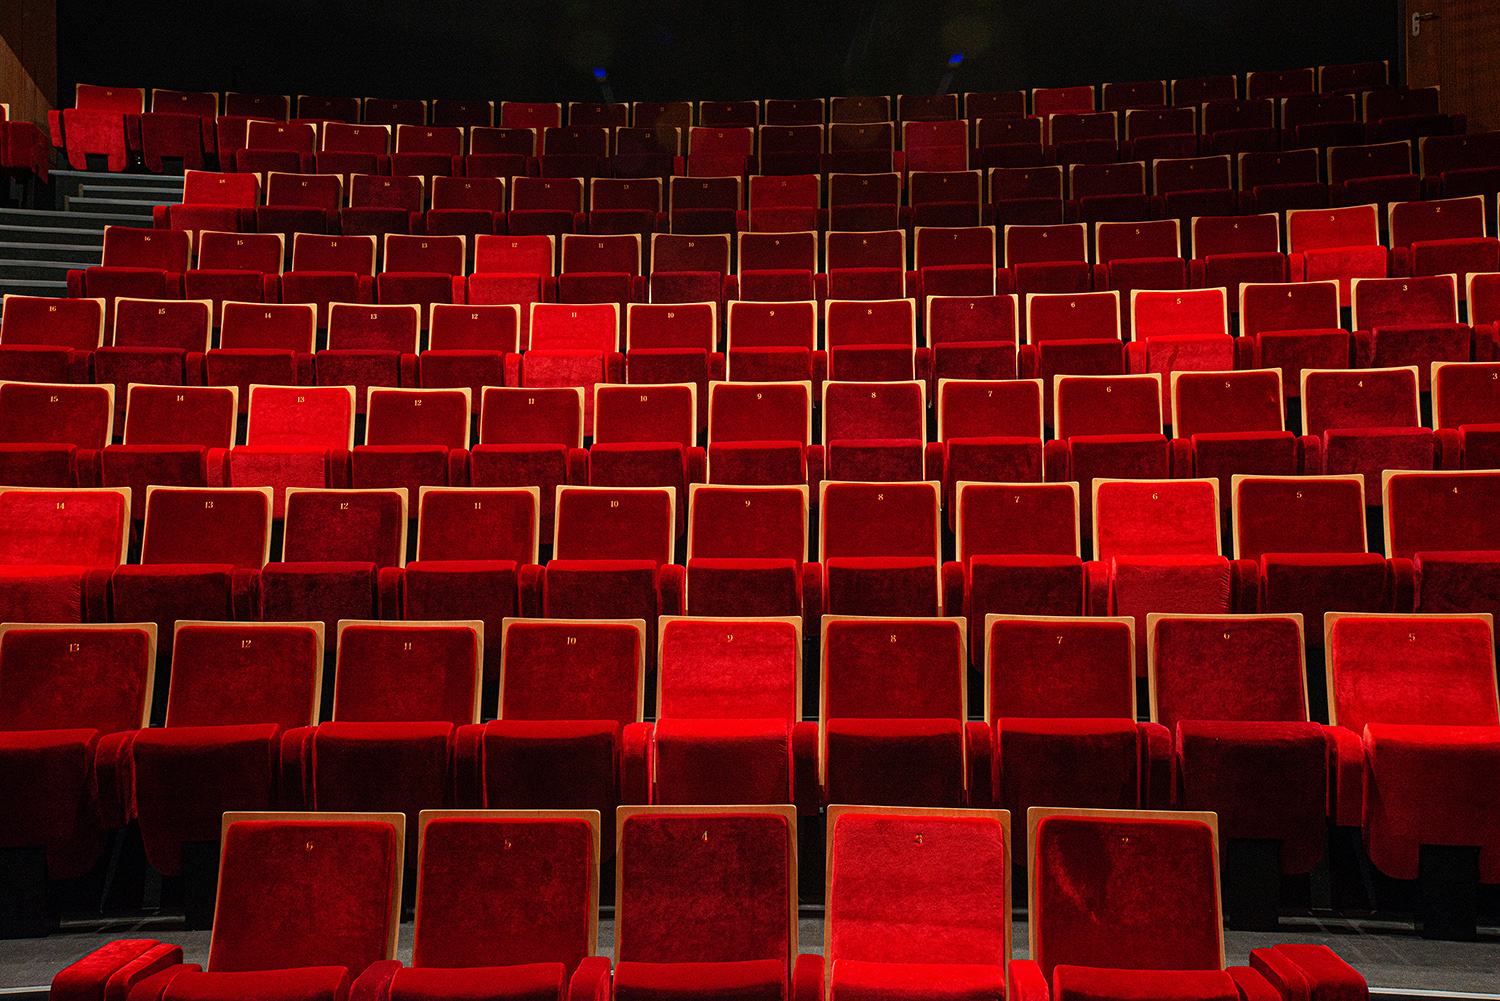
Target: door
{"type": "Point", "coordinates": [1450, 43]}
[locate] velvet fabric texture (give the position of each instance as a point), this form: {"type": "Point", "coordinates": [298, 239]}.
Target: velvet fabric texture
{"type": "Point", "coordinates": [1252, 453]}
{"type": "Point", "coordinates": [1412, 671]}
{"type": "Point", "coordinates": [1190, 584]}
{"type": "Point", "coordinates": [1045, 244]}
{"type": "Point", "coordinates": [1302, 515]}
{"type": "Point", "coordinates": [224, 675]}
{"type": "Point", "coordinates": [1073, 669]}
{"type": "Point", "coordinates": [859, 411]}
{"type": "Point", "coordinates": [342, 872]}
{"type": "Point", "coordinates": [1019, 585]}
{"type": "Point", "coordinates": [857, 981]}
{"type": "Point", "coordinates": [168, 592]}
{"type": "Point", "coordinates": [875, 459]}
{"type": "Point", "coordinates": [293, 592]}
{"type": "Point", "coordinates": [28, 363]}
{"type": "Point", "coordinates": [1429, 514]}
{"type": "Point", "coordinates": [602, 589]}
{"type": "Point", "coordinates": [73, 415]}
{"type": "Point", "coordinates": [757, 463]}
{"type": "Point", "coordinates": [880, 519]}
{"type": "Point", "coordinates": [316, 983]}
{"type": "Point", "coordinates": [1367, 399]}
{"type": "Point", "coordinates": [39, 465]}
{"type": "Point", "coordinates": [143, 323]}
{"type": "Point", "coordinates": [916, 891]}
{"type": "Point", "coordinates": [721, 899]}
{"type": "Point", "coordinates": [884, 585]}
{"type": "Point", "coordinates": [744, 587]}
{"type": "Point", "coordinates": [175, 415]}
{"type": "Point", "coordinates": [54, 594]}
{"type": "Point", "coordinates": [1071, 317]}
{"type": "Point", "coordinates": [1158, 878]}
{"type": "Point", "coordinates": [1113, 406]}
{"type": "Point", "coordinates": [908, 669]}
{"type": "Point", "coordinates": [1082, 983]}
{"type": "Point", "coordinates": [1156, 518]}
{"type": "Point", "coordinates": [1372, 450]}
{"type": "Point", "coordinates": [486, 590]}
{"type": "Point", "coordinates": [1457, 582]}
{"type": "Point", "coordinates": [615, 524]}
{"type": "Point", "coordinates": [728, 670]}
{"type": "Point", "coordinates": [426, 418]}
{"type": "Point", "coordinates": [1463, 394]}
{"type": "Point", "coordinates": [898, 762]}
{"type": "Point", "coordinates": [749, 980]}
{"type": "Point", "coordinates": [59, 322]}
{"type": "Point", "coordinates": [552, 765]}
{"type": "Point", "coordinates": [299, 417]}
{"type": "Point", "coordinates": [972, 409]}
{"type": "Point", "coordinates": [1089, 762]}
{"type": "Point", "coordinates": [186, 777]}
{"type": "Point", "coordinates": [50, 798]}
{"type": "Point", "coordinates": [141, 466]}
{"type": "Point", "coordinates": [1010, 520]}
{"type": "Point", "coordinates": [409, 466]}
{"type": "Point", "coordinates": [542, 466]}
{"type": "Point", "coordinates": [477, 524]}
{"type": "Point", "coordinates": [401, 767]}
{"type": "Point", "coordinates": [548, 368]}
{"type": "Point", "coordinates": [1315, 583]}
{"type": "Point", "coordinates": [571, 671]}
{"type": "Point", "coordinates": [412, 672]}
{"type": "Point", "coordinates": [541, 866]}
{"type": "Point", "coordinates": [353, 525]}
{"type": "Point", "coordinates": [64, 679]}
{"type": "Point", "coordinates": [1115, 456]}
{"type": "Point", "coordinates": [731, 523]}
{"type": "Point", "coordinates": [722, 761]}
{"type": "Point", "coordinates": [523, 982]}
{"type": "Point", "coordinates": [82, 528]}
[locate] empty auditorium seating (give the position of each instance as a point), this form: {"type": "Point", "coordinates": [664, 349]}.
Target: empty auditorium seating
{"type": "Point", "coordinates": [1366, 421]}
{"type": "Point", "coordinates": [879, 547]}
{"type": "Point", "coordinates": [1341, 243]}
{"type": "Point", "coordinates": [373, 345]}
{"type": "Point", "coordinates": [674, 343]}
{"type": "Point", "coordinates": [988, 431]}
{"type": "Point", "coordinates": [238, 267]}
{"type": "Point", "coordinates": [354, 149]}
{"type": "Point", "coordinates": [1441, 237]}
{"type": "Point", "coordinates": [761, 433]}
{"type": "Point", "coordinates": [418, 270]}
{"type": "Point", "coordinates": [1229, 423]}
{"type": "Point", "coordinates": [413, 438]}
{"type": "Point", "coordinates": [513, 270]}
{"type": "Point", "coordinates": [57, 550]}
{"type": "Point", "coordinates": [221, 202]}
{"type": "Point", "coordinates": [1180, 330]}
{"type": "Point", "coordinates": [691, 268]}
{"type": "Point", "coordinates": [1230, 251]}
{"type": "Point", "coordinates": [644, 436]}
{"type": "Point", "coordinates": [774, 342]}
{"type": "Point", "coordinates": [44, 339]}
{"type": "Point", "coordinates": [1048, 259]}
{"type": "Point", "coordinates": [1106, 426]}
{"type": "Point", "coordinates": [1295, 327]}
{"type": "Point", "coordinates": [867, 264]}
{"type": "Point", "coordinates": [380, 205]}
{"type": "Point", "coordinates": [329, 269]}
{"type": "Point", "coordinates": [746, 552]}
{"type": "Point", "coordinates": [155, 341]}
{"type": "Point", "coordinates": [104, 121]}
{"type": "Point", "coordinates": [265, 344]}
{"type": "Point", "coordinates": [51, 434]}
{"type": "Point", "coordinates": [875, 431]}
{"type": "Point", "coordinates": [170, 434]}
{"type": "Point", "coordinates": [139, 263]}
{"type": "Point", "coordinates": [859, 202]}
{"type": "Point", "coordinates": [573, 345]}
{"type": "Point", "coordinates": [1464, 411]}
{"type": "Point", "coordinates": [612, 555]}
{"type": "Point", "coordinates": [1439, 521]}
{"type": "Point", "coordinates": [1379, 173]}
{"type": "Point", "coordinates": [300, 203]}
{"type": "Point", "coordinates": [1410, 321]}
{"type": "Point", "coordinates": [531, 438]}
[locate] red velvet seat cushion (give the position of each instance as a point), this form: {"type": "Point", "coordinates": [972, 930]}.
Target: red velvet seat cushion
{"type": "Point", "coordinates": [1082, 983]}
{"type": "Point", "coordinates": [738, 587]}
{"type": "Point", "coordinates": [601, 589]}
{"type": "Point", "coordinates": [1458, 582]}
{"type": "Point", "coordinates": [383, 767]}
{"type": "Point", "coordinates": [893, 586]}
{"type": "Point", "coordinates": [993, 460]}
{"type": "Point", "coordinates": [1247, 453]}
{"type": "Point", "coordinates": [167, 592]}
{"type": "Point", "coordinates": [894, 762]}
{"type": "Point", "coordinates": [186, 777]}
{"type": "Point", "coordinates": [409, 466]}
{"type": "Point", "coordinates": [1294, 350]}
{"type": "Point", "coordinates": [1082, 762]}
{"type": "Point", "coordinates": [1431, 785]}
{"type": "Point", "coordinates": [1314, 583]}
{"type": "Point", "coordinates": [875, 460]}
{"type": "Point", "coordinates": [541, 466]}
{"type": "Point", "coordinates": [552, 765]}
{"type": "Point", "coordinates": [50, 594]}
{"type": "Point", "coordinates": [463, 589]}
{"type": "Point", "coordinates": [528, 982]}
{"type": "Point", "coordinates": [722, 761]}
{"type": "Point", "coordinates": [47, 797]}
{"type": "Point", "coordinates": [297, 592]}
{"type": "Point", "coordinates": [1264, 780]}
{"type": "Point", "coordinates": [1020, 585]}
{"type": "Point", "coordinates": [748, 980]}
{"type": "Point", "coordinates": [1370, 451]}
{"type": "Point", "coordinates": [757, 463]}
{"type": "Point", "coordinates": [853, 980]}
{"type": "Point", "coordinates": [1191, 584]}
{"type": "Point", "coordinates": [309, 983]}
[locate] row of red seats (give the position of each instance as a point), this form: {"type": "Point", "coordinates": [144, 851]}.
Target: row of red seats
{"type": "Point", "coordinates": [507, 906]}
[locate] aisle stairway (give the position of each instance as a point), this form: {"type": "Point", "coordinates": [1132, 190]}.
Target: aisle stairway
{"type": "Point", "coordinates": [39, 246]}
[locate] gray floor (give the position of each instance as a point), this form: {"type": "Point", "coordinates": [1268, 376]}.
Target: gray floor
{"type": "Point", "coordinates": [1389, 954]}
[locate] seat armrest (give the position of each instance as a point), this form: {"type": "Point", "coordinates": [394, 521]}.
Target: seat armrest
{"type": "Point", "coordinates": [1346, 775]}
{"type": "Point", "coordinates": [1027, 982]}
{"type": "Point", "coordinates": [296, 756]}
{"type": "Point", "coordinates": [1158, 763]}
{"type": "Point", "coordinates": [375, 983]}
{"type": "Point", "coordinates": [807, 978]}
{"type": "Point", "coordinates": [981, 765]}
{"type": "Point", "coordinates": [806, 794]}
{"type": "Point", "coordinates": [591, 981]}
{"type": "Point", "coordinates": [635, 763]}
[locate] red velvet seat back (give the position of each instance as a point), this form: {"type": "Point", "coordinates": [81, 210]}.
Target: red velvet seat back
{"type": "Point", "coordinates": [793, 191]}
{"type": "Point", "coordinates": [1156, 518]}
{"type": "Point", "coordinates": [375, 192]}
{"type": "Point", "coordinates": [429, 254]}
{"type": "Point", "coordinates": [646, 414]}
{"type": "Point", "coordinates": [979, 409]}
{"type": "Point", "coordinates": [1362, 398]}
{"type": "Point", "coordinates": [729, 669]}
{"type": "Point", "coordinates": [34, 319]}
{"type": "Point", "coordinates": [1315, 229]}
{"type": "Point", "coordinates": [397, 111]}
{"type": "Point", "coordinates": [773, 324]}
{"type": "Point", "coordinates": [1017, 519]}
{"type": "Point", "coordinates": [339, 137]}
{"type": "Point", "coordinates": [939, 246]}
{"type": "Point", "coordinates": [543, 193]}
{"type": "Point", "coordinates": [525, 255]}
{"type": "Point", "coordinates": [1191, 174]}
{"type": "Point", "coordinates": [1086, 180]}
{"type": "Point", "coordinates": [909, 886]}
{"type": "Point", "coordinates": [207, 525]}
{"type": "Point", "coordinates": [274, 106]}
{"type": "Point", "coordinates": [879, 519]}
{"type": "Point", "coordinates": [874, 410]}
{"type": "Point", "coordinates": [1382, 302]}
{"type": "Point", "coordinates": [1442, 219]}
{"type": "Point", "coordinates": [1429, 670]}
{"type": "Point", "coordinates": [284, 326]}
{"type": "Point", "coordinates": [893, 668]}
{"type": "Point", "coordinates": [1239, 668]}
{"type": "Point", "coordinates": [777, 252]}
{"type": "Point", "coordinates": [516, 141]}
{"type": "Point", "coordinates": [202, 187]}
{"type": "Point", "coordinates": [506, 890]}
{"type": "Point", "coordinates": [1055, 100]}
{"type": "Point", "coordinates": [686, 325]}
{"type": "Point", "coordinates": [486, 194]}
{"type": "Point", "coordinates": [315, 252]}
{"type": "Point", "coordinates": [236, 673]}
{"type": "Point", "coordinates": [1123, 240]}
{"type": "Point", "coordinates": [363, 327]}
{"type": "Point", "coordinates": [1256, 234]}
{"type": "Point", "coordinates": [760, 411]}
{"type": "Point", "coordinates": [557, 326]}
{"type": "Point", "coordinates": [343, 526]}
{"type": "Point", "coordinates": [959, 318]}
{"type": "Point", "coordinates": [534, 115]}
{"type": "Point", "coordinates": [299, 137]}
{"type": "Point", "coordinates": [168, 250]}
{"type": "Point", "coordinates": [310, 891]}
{"type": "Point", "coordinates": [448, 140]}
{"type": "Point", "coordinates": [886, 321]}
{"type": "Point", "coordinates": [532, 416]}
{"type": "Point", "coordinates": [478, 523]}
{"type": "Point", "coordinates": [741, 522]}
{"type": "Point", "coordinates": [76, 677]}
{"type": "Point", "coordinates": [125, 100]}
{"type": "Point", "coordinates": [181, 415]}
{"type": "Point", "coordinates": [1107, 405]}
{"type": "Point", "coordinates": [159, 323]}
{"type": "Point", "coordinates": [1060, 668]}
{"type": "Point", "coordinates": [1464, 393]}
{"type": "Point", "coordinates": [464, 327]}
{"type": "Point", "coordinates": [300, 417]}
{"type": "Point", "coordinates": [1443, 511]}
{"type": "Point", "coordinates": [1125, 893]}
{"type": "Point", "coordinates": [260, 252]}
{"type": "Point", "coordinates": [408, 672]}
{"type": "Point", "coordinates": [1293, 306]}
{"type": "Point", "coordinates": [58, 414]}
{"type": "Point", "coordinates": [88, 528]}
{"type": "Point", "coordinates": [1346, 163]}
{"type": "Point", "coordinates": [979, 104]}
{"type": "Point", "coordinates": [864, 189]}
{"type": "Point", "coordinates": [1202, 312]}
{"type": "Point", "coordinates": [1074, 316]}
{"type": "Point", "coordinates": [1298, 514]}
{"type": "Point", "coordinates": [1043, 244]}
{"type": "Point", "coordinates": [615, 253]}
{"type": "Point", "coordinates": [615, 523]}
{"type": "Point", "coordinates": [705, 886]}
{"type": "Point", "coordinates": [420, 417]}
{"type": "Point", "coordinates": [1220, 402]}
{"type": "Point", "coordinates": [557, 669]}
{"type": "Point", "coordinates": [625, 193]}
{"type": "Point", "coordinates": [690, 252]}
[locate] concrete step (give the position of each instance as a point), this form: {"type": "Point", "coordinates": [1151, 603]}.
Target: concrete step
{"type": "Point", "coordinates": [11, 251]}
{"type": "Point", "coordinates": [115, 206]}
{"type": "Point", "coordinates": [154, 196]}
{"type": "Point", "coordinates": [48, 288]}
{"type": "Point", "coordinates": [67, 182]}
{"type": "Point", "coordinates": [43, 271]}
{"type": "Point", "coordinates": [68, 220]}
{"type": "Point", "coordinates": [42, 236]}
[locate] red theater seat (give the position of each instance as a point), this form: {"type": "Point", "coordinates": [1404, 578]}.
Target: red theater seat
{"type": "Point", "coordinates": [989, 432]}
{"type": "Point", "coordinates": [674, 343]}
{"type": "Point", "coordinates": [747, 550]}
{"type": "Point", "coordinates": [879, 547]}
{"type": "Point", "coordinates": [874, 341]}
{"type": "Point", "coordinates": [1411, 321]}
{"type": "Point", "coordinates": [531, 437]}
{"type": "Point", "coordinates": [294, 437]}
{"type": "Point", "coordinates": [775, 342]}
{"type": "Point", "coordinates": [875, 431]}
{"type": "Point", "coordinates": [170, 434]}
{"type": "Point", "coordinates": [1047, 259]}
{"type": "Point", "coordinates": [1229, 423]}
{"type": "Point", "coordinates": [1071, 334]}
{"type": "Point", "coordinates": [1179, 331]}
{"type": "Point", "coordinates": [1229, 251]}
{"type": "Point", "coordinates": [573, 345]}
{"type": "Point", "coordinates": [263, 344]}
{"type": "Point", "coordinates": [222, 202]}
{"type": "Point", "coordinates": [371, 345]}
{"type": "Point", "coordinates": [513, 270]}
{"type": "Point", "coordinates": [58, 548]}
{"type": "Point", "coordinates": [1366, 421]}
{"type": "Point", "coordinates": [50, 340]}
{"type": "Point", "coordinates": [51, 435]}
{"type": "Point", "coordinates": [381, 205]}
{"type": "Point", "coordinates": [329, 269]}
{"type": "Point", "coordinates": [414, 438]}
{"type": "Point", "coordinates": [860, 265]}
{"type": "Point", "coordinates": [469, 346]}
{"type": "Point", "coordinates": [1440, 522]}
{"type": "Point", "coordinates": [761, 433]}
{"type": "Point", "coordinates": [138, 263]}
{"type": "Point", "coordinates": [1294, 327]}
{"type": "Point", "coordinates": [158, 342]}
{"type": "Point", "coordinates": [645, 436]}
{"type": "Point", "coordinates": [239, 267]}
{"type": "Point", "coordinates": [1342, 244]}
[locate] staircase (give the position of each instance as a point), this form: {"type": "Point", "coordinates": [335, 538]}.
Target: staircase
{"type": "Point", "coordinates": [39, 246]}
